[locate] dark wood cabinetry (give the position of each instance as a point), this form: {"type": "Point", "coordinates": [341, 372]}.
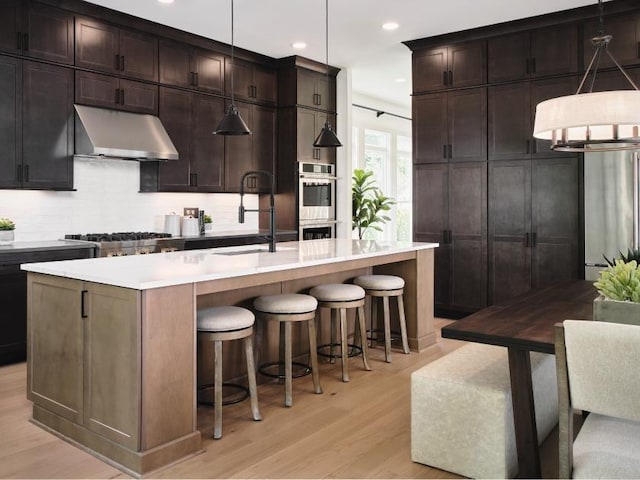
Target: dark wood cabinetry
{"type": "Point", "coordinates": [625, 44]}
{"type": "Point", "coordinates": [190, 67]}
{"type": "Point", "coordinates": [539, 52]}
{"type": "Point", "coordinates": [533, 242]}
{"type": "Point", "coordinates": [452, 66]}
{"type": "Point", "coordinates": [251, 82]}
{"type": "Point", "coordinates": [103, 47]}
{"type": "Point", "coordinates": [309, 124]}
{"type": "Point", "coordinates": [116, 93]}
{"type": "Point", "coordinates": [36, 30]}
{"type": "Point", "coordinates": [36, 112]}
{"type": "Point", "coordinates": [450, 126]}
{"type": "Point", "coordinates": [453, 212]}
{"type": "Point", "coordinates": [316, 90]}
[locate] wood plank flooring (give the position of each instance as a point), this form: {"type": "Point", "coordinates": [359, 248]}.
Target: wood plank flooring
{"type": "Point", "coordinates": [359, 429]}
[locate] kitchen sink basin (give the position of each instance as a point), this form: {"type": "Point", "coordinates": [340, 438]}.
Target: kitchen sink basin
{"type": "Point", "coordinates": [253, 250]}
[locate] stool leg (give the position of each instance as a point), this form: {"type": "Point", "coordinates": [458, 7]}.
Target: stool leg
{"type": "Point", "coordinates": [313, 354]}
{"type": "Point", "coordinates": [363, 328]}
{"type": "Point", "coordinates": [344, 348]}
{"type": "Point", "coordinates": [251, 377]}
{"type": "Point", "coordinates": [288, 396]}
{"type": "Point", "coordinates": [403, 324]}
{"type": "Point", "coordinates": [332, 313]}
{"type": "Point", "coordinates": [374, 322]}
{"type": "Point", "coordinates": [217, 387]}
{"type": "Point", "coordinates": [387, 330]}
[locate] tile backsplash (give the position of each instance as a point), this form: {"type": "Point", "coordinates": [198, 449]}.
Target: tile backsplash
{"type": "Point", "coordinates": [107, 199]}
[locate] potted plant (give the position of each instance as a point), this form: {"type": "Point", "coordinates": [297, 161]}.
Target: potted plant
{"type": "Point", "coordinates": [619, 288]}
{"type": "Point", "coordinates": [6, 231]}
{"type": "Point", "coordinates": [208, 223]}
{"type": "Point", "coordinates": [368, 203]}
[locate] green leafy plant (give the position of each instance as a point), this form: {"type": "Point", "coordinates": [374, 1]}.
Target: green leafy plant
{"type": "Point", "coordinates": [620, 282]}
{"type": "Point", "coordinates": [368, 203]}
{"type": "Point", "coordinates": [632, 254]}
{"type": "Point", "coordinates": [207, 219]}
{"type": "Point", "coordinates": [6, 224]}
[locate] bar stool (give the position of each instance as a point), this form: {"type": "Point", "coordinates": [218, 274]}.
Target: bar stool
{"type": "Point", "coordinates": [386, 286]}
{"type": "Point", "coordinates": [219, 324]}
{"type": "Point", "coordinates": [285, 309]}
{"type": "Point", "coordinates": [338, 297]}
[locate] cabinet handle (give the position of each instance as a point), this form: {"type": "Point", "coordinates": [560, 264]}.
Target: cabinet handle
{"type": "Point", "coordinates": [528, 147]}
{"type": "Point", "coordinates": [534, 144]}
{"type": "Point", "coordinates": [195, 180]}
{"type": "Point", "coordinates": [250, 91]}
{"type": "Point", "coordinates": [534, 239]}
{"type": "Point", "coordinates": [122, 96]}
{"type": "Point", "coordinates": [527, 240]}
{"type": "Point", "coordinates": [319, 99]}
{"type": "Point", "coordinates": [638, 49]}
{"type": "Point", "coordinates": [195, 78]}
{"type": "Point", "coordinates": [122, 62]}
{"type": "Point", "coordinates": [444, 78]}
{"type": "Point", "coordinates": [450, 77]}
{"type": "Point", "coordinates": [19, 41]}
{"type": "Point", "coordinates": [528, 68]}
{"type": "Point", "coordinates": [450, 151]}
{"type": "Point", "coordinates": [533, 65]}
{"type": "Point", "coordinates": [19, 173]}
{"type": "Point", "coordinates": [25, 42]}
{"type": "Point", "coordinates": [117, 60]}
{"type": "Point", "coordinates": [26, 173]}
{"type": "Point", "coordinates": [117, 97]}
{"type": "Point", "coordinates": [444, 151]}
{"type": "Point", "coordinates": [83, 296]}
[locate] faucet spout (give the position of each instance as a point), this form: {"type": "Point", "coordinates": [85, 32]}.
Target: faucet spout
{"type": "Point", "coordinates": [272, 205]}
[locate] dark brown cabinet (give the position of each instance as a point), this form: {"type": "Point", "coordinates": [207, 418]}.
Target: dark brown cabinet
{"type": "Point", "coordinates": [459, 65]}
{"type": "Point", "coordinates": [251, 82]}
{"type": "Point", "coordinates": [533, 242]}
{"type": "Point", "coordinates": [103, 47]}
{"type": "Point", "coordinates": [185, 66]}
{"type": "Point", "coordinates": [450, 208]}
{"type": "Point", "coordinates": [36, 112]}
{"type": "Point", "coordinates": [309, 124]}
{"type": "Point", "coordinates": [251, 152]}
{"type": "Point", "coordinates": [624, 46]}
{"type": "Point", "coordinates": [450, 126]}
{"type": "Point", "coordinates": [315, 89]}
{"type": "Point", "coordinates": [117, 93]}
{"type": "Point", "coordinates": [36, 30]}
{"type": "Point", "coordinates": [544, 51]}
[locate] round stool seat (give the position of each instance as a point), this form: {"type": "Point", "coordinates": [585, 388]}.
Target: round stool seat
{"type": "Point", "coordinates": [379, 282]}
{"type": "Point", "coordinates": [224, 319]}
{"type": "Point", "coordinates": [286, 303]}
{"type": "Point", "coordinates": [337, 292]}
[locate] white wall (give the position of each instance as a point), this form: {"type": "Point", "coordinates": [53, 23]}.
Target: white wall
{"type": "Point", "coordinates": [107, 199]}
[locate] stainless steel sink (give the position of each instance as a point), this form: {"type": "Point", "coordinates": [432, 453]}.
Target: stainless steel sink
{"type": "Point", "coordinates": [244, 252]}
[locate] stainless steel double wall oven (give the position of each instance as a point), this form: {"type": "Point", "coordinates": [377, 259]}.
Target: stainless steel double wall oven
{"type": "Point", "coordinates": [317, 201]}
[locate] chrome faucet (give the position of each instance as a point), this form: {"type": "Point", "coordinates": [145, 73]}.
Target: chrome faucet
{"type": "Point", "coordinates": [272, 206]}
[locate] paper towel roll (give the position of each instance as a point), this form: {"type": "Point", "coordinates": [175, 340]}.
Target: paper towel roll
{"type": "Point", "coordinates": [190, 227]}
{"type": "Point", "coordinates": [172, 224]}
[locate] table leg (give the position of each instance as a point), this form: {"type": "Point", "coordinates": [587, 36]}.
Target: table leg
{"type": "Point", "coordinates": [524, 418]}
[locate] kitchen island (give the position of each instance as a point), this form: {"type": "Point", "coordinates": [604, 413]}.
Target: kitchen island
{"type": "Point", "coordinates": [112, 362]}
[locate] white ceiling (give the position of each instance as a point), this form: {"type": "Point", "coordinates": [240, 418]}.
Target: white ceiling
{"type": "Point", "coordinates": [356, 40]}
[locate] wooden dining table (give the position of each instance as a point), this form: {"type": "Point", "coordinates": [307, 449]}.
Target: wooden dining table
{"type": "Point", "coordinates": [525, 324]}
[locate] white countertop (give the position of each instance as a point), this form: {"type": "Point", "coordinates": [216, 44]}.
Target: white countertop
{"type": "Point", "coordinates": [142, 272]}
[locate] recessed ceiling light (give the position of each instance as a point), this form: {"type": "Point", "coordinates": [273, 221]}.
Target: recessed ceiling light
{"type": "Point", "coordinates": [401, 79]}
{"type": "Point", "coordinates": [390, 26]}
{"type": "Point", "coordinates": [299, 45]}
{"type": "Point", "coordinates": [165, 1]}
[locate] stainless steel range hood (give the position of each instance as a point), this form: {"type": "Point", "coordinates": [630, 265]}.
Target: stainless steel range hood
{"type": "Point", "coordinates": [110, 133]}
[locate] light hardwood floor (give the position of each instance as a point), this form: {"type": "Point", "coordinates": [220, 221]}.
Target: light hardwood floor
{"type": "Point", "coordinates": [359, 429]}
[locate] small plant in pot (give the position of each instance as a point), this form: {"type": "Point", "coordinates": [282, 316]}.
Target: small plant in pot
{"type": "Point", "coordinates": [368, 203]}
{"type": "Point", "coordinates": [208, 223]}
{"type": "Point", "coordinates": [619, 289]}
{"type": "Point", "coordinates": [6, 231]}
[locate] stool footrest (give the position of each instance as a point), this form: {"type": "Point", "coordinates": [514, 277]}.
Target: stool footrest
{"type": "Point", "coordinates": [354, 350]}
{"type": "Point", "coordinates": [302, 371]}
{"type": "Point", "coordinates": [243, 394]}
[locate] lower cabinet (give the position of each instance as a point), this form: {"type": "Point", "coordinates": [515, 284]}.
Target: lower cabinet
{"type": "Point", "coordinates": [83, 355]}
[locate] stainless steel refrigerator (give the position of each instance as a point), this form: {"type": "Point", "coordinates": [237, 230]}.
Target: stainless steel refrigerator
{"type": "Point", "coordinates": [610, 207]}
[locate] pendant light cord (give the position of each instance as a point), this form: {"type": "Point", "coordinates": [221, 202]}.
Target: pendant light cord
{"type": "Point", "coordinates": [326, 36]}
{"type": "Point", "coordinates": [233, 65]}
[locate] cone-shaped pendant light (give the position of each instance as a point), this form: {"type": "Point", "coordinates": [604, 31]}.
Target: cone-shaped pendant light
{"type": "Point", "coordinates": [327, 137]}
{"type": "Point", "coordinates": [232, 123]}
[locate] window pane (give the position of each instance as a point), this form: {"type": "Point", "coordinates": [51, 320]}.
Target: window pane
{"type": "Point", "coordinates": [374, 138]}
{"type": "Point", "coordinates": [404, 144]}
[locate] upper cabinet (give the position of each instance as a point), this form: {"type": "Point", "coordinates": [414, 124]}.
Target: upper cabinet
{"type": "Point", "coordinates": [117, 93]}
{"type": "Point", "coordinates": [251, 82]}
{"type": "Point", "coordinates": [185, 66]}
{"type": "Point", "coordinates": [316, 90]}
{"type": "Point", "coordinates": [457, 65]}
{"type": "Point", "coordinates": [539, 52]}
{"type": "Point", "coordinates": [625, 44]}
{"type": "Point", "coordinates": [100, 46]}
{"type": "Point", "coordinates": [35, 30]}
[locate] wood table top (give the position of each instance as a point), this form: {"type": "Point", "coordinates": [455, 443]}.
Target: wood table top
{"type": "Point", "coordinates": [527, 321]}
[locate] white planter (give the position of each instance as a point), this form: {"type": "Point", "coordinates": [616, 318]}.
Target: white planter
{"type": "Point", "coordinates": [208, 227]}
{"type": "Point", "coordinates": [6, 237]}
{"type": "Point", "coordinates": [617, 312]}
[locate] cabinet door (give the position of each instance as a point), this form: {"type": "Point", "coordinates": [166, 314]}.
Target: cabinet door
{"type": "Point", "coordinates": [139, 55]}
{"type": "Point", "coordinates": [543, 90]}
{"type": "Point", "coordinates": [56, 345]}
{"type": "Point", "coordinates": [111, 365]}
{"type": "Point", "coordinates": [612, 80]}
{"type": "Point", "coordinates": [624, 46]}
{"type": "Point", "coordinates": [307, 88]}
{"type": "Point", "coordinates": [209, 71]}
{"type": "Point", "coordinates": [10, 26]}
{"type": "Point", "coordinates": [266, 83]}
{"type": "Point", "coordinates": [430, 69]}
{"type": "Point", "coordinates": [49, 34]}
{"type": "Point", "coordinates": [324, 155]}
{"type": "Point", "coordinates": [509, 228]}
{"type": "Point", "coordinates": [468, 237]}
{"type": "Point", "coordinates": [175, 64]}
{"type": "Point", "coordinates": [467, 64]}
{"type": "Point", "coordinates": [508, 57]}
{"type": "Point", "coordinates": [207, 164]}
{"type": "Point", "coordinates": [242, 74]}
{"type": "Point", "coordinates": [238, 155]}
{"type": "Point", "coordinates": [325, 92]}
{"type": "Point", "coordinates": [264, 142]}
{"type": "Point", "coordinates": [555, 210]}
{"type": "Point", "coordinates": [10, 122]}
{"type": "Point", "coordinates": [554, 50]}
{"type": "Point", "coordinates": [175, 114]}
{"type": "Point", "coordinates": [431, 220]}
{"type": "Point", "coordinates": [138, 97]}
{"type": "Point", "coordinates": [97, 45]}
{"type": "Point", "coordinates": [13, 322]}
{"type": "Point", "coordinates": [510, 121]}
{"type": "Point", "coordinates": [97, 90]}
{"type": "Point", "coordinates": [47, 126]}
{"type": "Point", "coordinates": [467, 120]}
{"type": "Point", "coordinates": [430, 139]}
{"type": "Point", "coordinates": [306, 134]}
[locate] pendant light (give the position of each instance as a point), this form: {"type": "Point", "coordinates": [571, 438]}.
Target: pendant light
{"type": "Point", "coordinates": [327, 137]}
{"type": "Point", "coordinates": [232, 123]}
{"type": "Point", "coordinates": [592, 122]}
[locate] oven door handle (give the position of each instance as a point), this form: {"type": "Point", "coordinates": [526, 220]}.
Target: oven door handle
{"type": "Point", "coordinates": [318, 177]}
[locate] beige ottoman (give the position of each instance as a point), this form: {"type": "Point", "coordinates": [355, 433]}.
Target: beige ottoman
{"type": "Point", "coordinates": [461, 413]}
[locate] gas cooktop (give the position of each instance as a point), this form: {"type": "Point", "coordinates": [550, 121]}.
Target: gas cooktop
{"type": "Point", "coordinates": [116, 237]}
{"type": "Point", "coordinates": [130, 243]}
